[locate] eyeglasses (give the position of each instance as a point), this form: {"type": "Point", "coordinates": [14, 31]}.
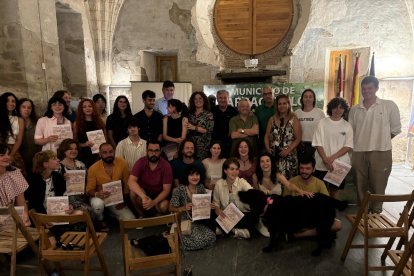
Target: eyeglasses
{"type": "Point", "coordinates": [70, 246]}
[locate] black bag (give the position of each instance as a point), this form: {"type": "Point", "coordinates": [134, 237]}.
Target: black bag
{"type": "Point", "coordinates": [154, 245]}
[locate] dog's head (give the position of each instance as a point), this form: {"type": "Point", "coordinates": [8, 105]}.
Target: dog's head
{"type": "Point", "coordinates": [255, 198]}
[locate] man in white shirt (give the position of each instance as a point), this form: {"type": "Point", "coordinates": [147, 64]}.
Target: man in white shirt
{"type": "Point", "coordinates": [161, 104]}
{"type": "Point", "coordinates": [375, 122]}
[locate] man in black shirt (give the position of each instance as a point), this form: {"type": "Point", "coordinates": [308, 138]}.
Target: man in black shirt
{"type": "Point", "coordinates": [149, 120]}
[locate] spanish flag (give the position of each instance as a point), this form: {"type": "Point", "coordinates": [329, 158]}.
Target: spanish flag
{"type": "Point", "coordinates": [355, 83]}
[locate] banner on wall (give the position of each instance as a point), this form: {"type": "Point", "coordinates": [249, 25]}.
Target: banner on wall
{"type": "Point", "coordinates": [253, 92]}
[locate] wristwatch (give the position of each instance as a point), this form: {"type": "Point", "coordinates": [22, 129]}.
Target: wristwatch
{"type": "Point", "coordinates": [242, 131]}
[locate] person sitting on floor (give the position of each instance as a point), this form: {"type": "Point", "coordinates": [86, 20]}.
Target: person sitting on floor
{"type": "Point", "coordinates": [307, 182]}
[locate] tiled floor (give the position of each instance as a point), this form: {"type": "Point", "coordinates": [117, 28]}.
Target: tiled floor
{"type": "Point", "coordinates": [244, 257]}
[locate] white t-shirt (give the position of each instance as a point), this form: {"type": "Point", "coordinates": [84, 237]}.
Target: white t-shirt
{"type": "Point", "coordinates": [309, 121]}
{"type": "Point", "coordinates": [332, 136]}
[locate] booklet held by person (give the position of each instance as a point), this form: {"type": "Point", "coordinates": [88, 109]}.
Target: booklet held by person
{"type": "Point", "coordinates": [232, 216]}
{"type": "Point", "coordinates": [338, 174]}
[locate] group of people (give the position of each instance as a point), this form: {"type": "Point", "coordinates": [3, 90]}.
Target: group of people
{"type": "Point", "coordinates": [167, 152]}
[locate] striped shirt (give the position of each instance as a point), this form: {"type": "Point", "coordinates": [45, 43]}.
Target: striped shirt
{"type": "Point", "coordinates": [131, 152]}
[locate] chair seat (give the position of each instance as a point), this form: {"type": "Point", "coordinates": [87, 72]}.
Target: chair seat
{"type": "Point", "coordinates": [76, 239]}
{"type": "Point", "coordinates": [379, 225]}
{"type": "Point", "coordinates": [395, 256]}
{"type": "Point", "coordinates": [6, 234]}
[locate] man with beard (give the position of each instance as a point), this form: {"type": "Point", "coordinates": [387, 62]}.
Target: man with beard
{"type": "Point", "coordinates": [150, 182]}
{"type": "Point", "coordinates": [149, 120]}
{"type": "Point", "coordinates": [186, 153]}
{"type": "Point", "coordinates": [305, 180]}
{"type": "Point", "coordinates": [108, 169]}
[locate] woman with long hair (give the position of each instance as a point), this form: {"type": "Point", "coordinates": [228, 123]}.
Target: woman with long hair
{"type": "Point", "coordinates": [100, 103]}
{"type": "Point", "coordinates": [27, 111]}
{"type": "Point", "coordinates": [213, 164]}
{"type": "Point", "coordinates": [247, 161]}
{"type": "Point", "coordinates": [200, 123]}
{"type": "Point", "coordinates": [181, 201]}
{"type": "Point", "coordinates": [56, 114]}
{"type": "Point", "coordinates": [87, 119]}
{"type": "Point", "coordinates": [283, 135]}
{"type": "Point", "coordinates": [309, 116]}
{"type": "Point", "coordinates": [12, 184]}
{"type": "Point", "coordinates": [116, 123]}
{"type": "Point", "coordinates": [11, 128]}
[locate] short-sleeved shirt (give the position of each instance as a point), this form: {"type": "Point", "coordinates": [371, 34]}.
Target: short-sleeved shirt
{"type": "Point", "coordinates": [263, 114]}
{"type": "Point", "coordinates": [131, 152]}
{"type": "Point", "coordinates": [309, 121]}
{"type": "Point", "coordinates": [221, 122]}
{"type": "Point", "coordinates": [236, 122]}
{"type": "Point", "coordinates": [315, 185]}
{"type": "Point", "coordinates": [179, 168]}
{"type": "Point", "coordinates": [12, 184]}
{"type": "Point", "coordinates": [97, 175]}
{"type": "Point", "coordinates": [44, 129]}
{"type": "Point", "coordinates": [150, 128]}
{"type": "Point", "coordinates": [152, 181]}
{"type": "Point", "coordinates": [374, 126]}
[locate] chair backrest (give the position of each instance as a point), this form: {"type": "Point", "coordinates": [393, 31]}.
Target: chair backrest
{"type": "Point", "coordinates": [133, 260]}
{"type": "Point", "coordinates": [15, 244]}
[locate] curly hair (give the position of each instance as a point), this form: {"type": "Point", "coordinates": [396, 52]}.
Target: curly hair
{"type": "Point", "coordinates": [81, 119]}
{"type": "Point", "coordinates": [237, 153]}
{"type": "Point", "coordinates": [336, 102]}
{"type": "Point", "coordinates": [40, 158]}
{"type": "Point", "coordinates": [191, 101]}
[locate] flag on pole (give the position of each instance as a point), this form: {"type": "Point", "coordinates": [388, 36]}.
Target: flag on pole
{"type": "Point", "coordinates": [372, 68]}
{"type": "Point", "coordinates": [355, 83]}
{"type": "Point", "coordinates": [339, 79]}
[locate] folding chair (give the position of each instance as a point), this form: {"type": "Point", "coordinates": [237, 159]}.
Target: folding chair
{"type": "Point", "coordinates": [73, 246]}
{"type": "Point", "coordinates": [16, 237]}
{"type": "Point", "coordinates": [403, 259]}
{"type": "Point", "coordinates": [372, 226]}
{"type": "Point", "coordinates": [133, 257]}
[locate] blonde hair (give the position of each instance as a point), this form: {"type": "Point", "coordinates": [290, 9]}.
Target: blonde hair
{"type": "Point", "coordinates": [40, 158]}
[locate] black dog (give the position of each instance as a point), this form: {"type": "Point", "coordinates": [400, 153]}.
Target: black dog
{"type": "Point", "coordinates": [290, 214]}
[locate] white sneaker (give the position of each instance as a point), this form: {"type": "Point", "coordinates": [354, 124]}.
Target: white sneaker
{"type": "Point", "coordinates": [262, 229]}
{"type": "Point", "coordinates": [218, 232]}
{"type": "Point", "coordinates": [241, 233]}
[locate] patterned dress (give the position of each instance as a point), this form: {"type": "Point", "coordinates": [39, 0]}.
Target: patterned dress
{"type": "Point", "coordinates": [202, 140]}
{"type": "Point", "coordinates": [201, 236]}
{"type": "Point", "coordinates": [281, 138]}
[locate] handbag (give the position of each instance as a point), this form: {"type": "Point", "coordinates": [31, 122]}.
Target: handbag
{"type": "Point", "coordinates": [185, 226]}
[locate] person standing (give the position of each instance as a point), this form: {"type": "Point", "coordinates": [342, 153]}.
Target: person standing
{"type": "Point", "coordinates": [149, 120]}
{"type": "Point", "coordinates": [222, 114]}
{"type": "Point", "coordinates": [308, 116]}
{"type": "Point", "coordinates": [161, 104]}
{"type": "Point", "coordinates": [263, 113]}
{"type": "Point", "coordinates": [375, 122]}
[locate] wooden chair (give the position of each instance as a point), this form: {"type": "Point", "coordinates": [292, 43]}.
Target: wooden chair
{"type": "Point", "coordinates": [73, 245]}
{"type": "Point", "coordinates": [16, 237]}
{"type": "Point", "coordinates": [403, 258]}
{"type": "Point", "coordinates": [372, 226]}
{"type": "Point", "coordinates": [133, 257]}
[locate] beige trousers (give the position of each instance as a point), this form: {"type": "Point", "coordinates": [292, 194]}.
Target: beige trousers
{"type": "Point", "coordinates": [372, 170]}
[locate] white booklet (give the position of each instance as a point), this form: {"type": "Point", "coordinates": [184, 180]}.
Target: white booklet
{"type": "Point", "coordinates": [7, 219]}
{"type": "Point", "coordinates": [57, 205]}
{"type": "Point", "coordinates": [63, 132]}
{"type": "Point", "coordinates": [75, 182]}
{"type": "Point", "coordinates": [115, 190]}
{"type": "Point", "coordinates": [201, 206]}
{"type": "Point", "coordinates": [338, 174]}
{"type": "Point", "coordinates": [232, 216]}
{"type": "Point", "coordinates": [97, 137]}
